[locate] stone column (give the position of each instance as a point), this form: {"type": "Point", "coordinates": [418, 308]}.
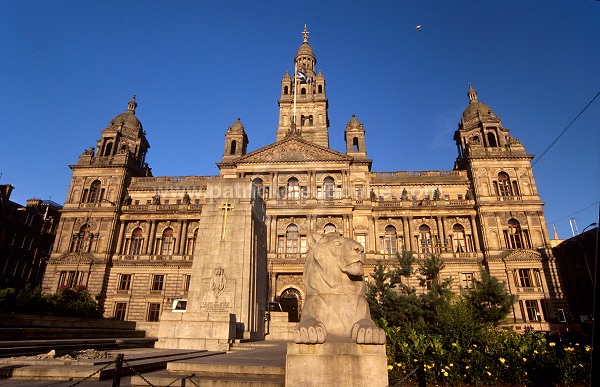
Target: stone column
{"type": "Point", "coordinates": [376, 234]}
{"type": "Point", "coordinates": [183, 241]}
{"type": "Point", "coordinates": [120, 241]}
{"type": "Point", "coordinates": [177, 247]}
{"type": "Point", "coordinates": [151, 237]}
{"type": "Point", "coordinates": [474, 233]}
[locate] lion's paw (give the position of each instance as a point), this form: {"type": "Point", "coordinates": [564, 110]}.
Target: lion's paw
{"type": "Point", "coordinates": [368, 334]}
{"type": "Point", "coordinates": [313, 333]}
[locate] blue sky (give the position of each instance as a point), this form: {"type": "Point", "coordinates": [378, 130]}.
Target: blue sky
{"type": "Point", "coordinates": [68, 67]}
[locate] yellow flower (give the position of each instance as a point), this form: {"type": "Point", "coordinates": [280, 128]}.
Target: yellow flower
{"type": "Point", "coordinates": [455, 344]}
{"type": "Point", "coordinates": [524, 360]}
{"type": "Point", "coordinates": [467, 367]}
{"type": "Point", "coordinates": [390, 367]}
{"type": "Point", "coordinates": [552, 344]}
{"type": "Point", "coordinates": [475, 345]}
{"type": "Point", "coordinates": [588, 348]}
{"type": "Point", "coordinates": [445, 373]}
{"type": "Point", "coordinates": [399, 364]}
{"type": "Point", "coordinates": [469, 350]}
{"type": "Point", "coordinates": [569, 349]}
{"type": "Point", "coordinates": [535, 351]}
{"type": "Point", "coordinates": [451, 365]}
{"type": "Point", "coordinates": [502, 360]}
{"type": "Point", "coordinates": [581, 365]}
{"type": "Point", "coordinates": [489, 373]}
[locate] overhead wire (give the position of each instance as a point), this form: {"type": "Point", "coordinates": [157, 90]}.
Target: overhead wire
{"type": "Point", "coordinates": [564, 130]}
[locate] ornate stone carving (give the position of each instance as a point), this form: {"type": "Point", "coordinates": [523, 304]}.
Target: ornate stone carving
{"type": "Point", "coordinates": [218, 281]}
{"type": "Point", "coordinates": [292, 150]}
{"type": "Point", "coordinates": [336, 307]}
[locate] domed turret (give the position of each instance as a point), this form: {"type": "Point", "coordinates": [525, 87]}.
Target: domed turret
{"type": "Point", "coordinates": [355, 139]}
{"type": "Point", "coordinates": [476, 109]}
{"type": "Point", "coordinates": [128, 118]}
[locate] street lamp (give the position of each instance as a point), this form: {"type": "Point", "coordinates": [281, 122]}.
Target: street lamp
{"type": "Point", "coordinates": [539, 318]}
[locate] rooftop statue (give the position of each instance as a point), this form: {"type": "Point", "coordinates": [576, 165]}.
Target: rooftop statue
{"type": "Point", "coordinates": [336, 307]}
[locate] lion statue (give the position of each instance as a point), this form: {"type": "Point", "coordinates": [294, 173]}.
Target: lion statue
{"type": "Point", "coordinates": [336, 307]}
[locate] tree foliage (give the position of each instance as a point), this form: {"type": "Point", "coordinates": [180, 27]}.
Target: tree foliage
{"type": "Point", "coordinates": [490, 300]}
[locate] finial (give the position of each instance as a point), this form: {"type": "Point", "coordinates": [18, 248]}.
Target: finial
{"type": "Point", "coordinates": [305, 35]}
{"type": "Point", "coordinates": [132, 104]}
{"type": "Point", "coordinates": [472, 94]}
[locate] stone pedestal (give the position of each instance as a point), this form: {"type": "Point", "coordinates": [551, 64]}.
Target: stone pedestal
{"type": "Point", "coordinates": [228, 286]}
{"type": "Point", "coordinates": [336, 364]}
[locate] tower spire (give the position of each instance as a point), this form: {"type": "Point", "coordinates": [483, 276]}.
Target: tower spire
{"type": "Point", "coordinates": [305, 35]}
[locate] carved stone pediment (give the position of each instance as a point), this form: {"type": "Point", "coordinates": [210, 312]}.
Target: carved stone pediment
{"type": "Point", "coordinates": [522, 255]}
{"type": "Point", "coordinates": [75, 258]}
{"type": "Point", "coordinates": [292, 150]}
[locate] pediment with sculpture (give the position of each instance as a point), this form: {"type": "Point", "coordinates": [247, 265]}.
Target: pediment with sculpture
{"type": "Point", "coordinates": [75, 258]}
{"type": "Point", "coordinates": [292, 150]}
{"type": "Point", "coordinates": [522, 255]}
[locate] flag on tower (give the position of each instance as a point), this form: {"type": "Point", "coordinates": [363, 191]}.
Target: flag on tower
{"type": "Point", "coordinates": [303, 77]}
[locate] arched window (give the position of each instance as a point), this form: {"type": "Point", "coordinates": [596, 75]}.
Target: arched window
{"type": "Point", "coordinates": [303, 90]}
{"type": "Point", "coordinates": [491, 137]}
{"type": "Point", "coordinates": [503, 186]}
{"type": "Point", "coordinates": [329, 227]}
{"type": "Point", "coordinates": [285, 90]}
{"type": "Point", "coordinates": [515, 237]}
{"type": "Point", "coordinates": [390, 240]}
{"type": "Point", "coordinates": [257, 187]}
{"type": "Point", "coordinates": [355, 144]}
{"type": "Point", "coordinates": [320, 88]}
{"type": "Point", "coordinates": [291, 240]}
{"type": "Point", "coordinates": [328, 187]}
{"type": "Point", "coordinates": [137, 240]}
{"type": "Point", "coordinates": [82, 240]}
{"type": "Point", "coordinates": [95, 191]}
{"type": "Point", "coordinates": [168, 242]}
{"type": "Point", "coordinates": [459, 243]}
{"type": "Point", "coordinates": [108, 149]}
{"type": "Point", "coordinates": [425, 239]}
{"type": "Point", "coordinates": [233, 146]}
{"type": "Point", "coordinates": [293, 189]}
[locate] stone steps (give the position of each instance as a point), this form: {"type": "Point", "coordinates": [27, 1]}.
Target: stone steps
{"type": "Point", "coordinates": [136, 360]}
{"type": "Point", "coordinates": [63, 346]}
{"type": "Point", "coordinates": [248, 365]}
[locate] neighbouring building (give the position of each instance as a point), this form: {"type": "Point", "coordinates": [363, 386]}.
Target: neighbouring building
{"type": "Point", "coordinates": [576, 264]}
{"type": "Point", "coordinates": [26, 238]}
{"type": "Point", "coordinates": [131, 237]}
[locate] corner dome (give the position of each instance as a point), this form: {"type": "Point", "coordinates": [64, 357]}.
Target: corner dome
{"type": "Point", "coordinates": [476, 109]}
{"type": "Point", "coordinates": [354, 123]}
{"type": "Point", "coordinates": [237, 126]}
{"type": "Point", "coordinates": [128, 118]}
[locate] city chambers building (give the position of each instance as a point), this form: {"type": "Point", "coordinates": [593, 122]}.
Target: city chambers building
{"type": "Point", "coordinates": [130, 237]}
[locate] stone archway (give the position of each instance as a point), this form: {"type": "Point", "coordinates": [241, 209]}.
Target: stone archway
{"type": "Point", "coordinates": [291, 302]}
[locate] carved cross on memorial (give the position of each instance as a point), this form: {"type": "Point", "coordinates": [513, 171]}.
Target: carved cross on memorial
{"type": "Point", "coordinates": [225, 207]}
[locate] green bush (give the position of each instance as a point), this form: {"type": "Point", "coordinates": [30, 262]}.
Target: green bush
{"type": "Point", "coordinates": [69, 302]}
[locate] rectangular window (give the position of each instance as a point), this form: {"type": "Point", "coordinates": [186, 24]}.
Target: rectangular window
{"type": "Point", "coordinates": [466, 280]}
{"type": "Point", "coordinates": [137, 202]}
{"type": "Point", "coordinates": [167, 201]}
{"type": "Point", "coordinates": [533, 311]}
{"type": "Point", "coordinates": [196, 201]}
{"type": "Point", "coordinates": [362, 239]}
{"type": "Point", "coordinates": [153, 311]}
{"type": "Point", "coordinates": [280, 244]}
{"type": "Point", "coordinates": [125, 282]}
{"type": "Point", "coordinates": [358, 192]}
{"type": "Point", "coordinates": [302, 244]}
{"type": "Point", "coordinates": [460, 197]}
{"type": "Point", "coordinates": [120, 310]}
{"type": "Point", "coordinates": [524, 278]}
{"type": "Point", "coordinates": [186, 282]}
{"type": "Point", "coordinates": [158, 281]}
